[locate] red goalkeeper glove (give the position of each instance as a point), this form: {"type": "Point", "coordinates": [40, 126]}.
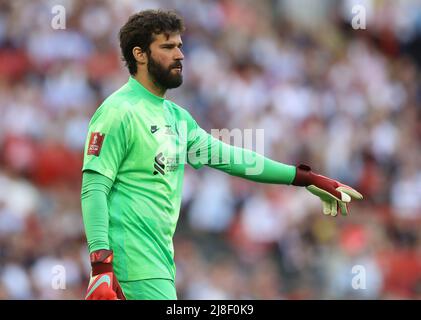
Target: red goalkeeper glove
{"type": "Point", "coordinates": [334, 195]}
{"type": "Point", "coordinates": [103, 284]}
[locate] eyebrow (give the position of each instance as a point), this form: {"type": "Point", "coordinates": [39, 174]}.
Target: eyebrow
{"type": "Point", "coordinates": [171, 44]}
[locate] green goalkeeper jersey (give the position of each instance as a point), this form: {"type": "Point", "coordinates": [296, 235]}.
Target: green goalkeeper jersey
{"type": "Point", "coordinates": [141, 142]}
{"type": "Point", "coordinates": [135, 140]}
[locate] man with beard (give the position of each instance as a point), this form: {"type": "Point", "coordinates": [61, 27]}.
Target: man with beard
{"type": "Point", "coordinates": [137, 145]}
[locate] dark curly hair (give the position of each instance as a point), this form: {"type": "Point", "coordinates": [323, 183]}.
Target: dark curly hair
{"type": "Point", "coordinates": [140, 29]}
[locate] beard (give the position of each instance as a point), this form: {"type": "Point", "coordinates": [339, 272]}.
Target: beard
{"type": "Point", "coordinates": [163, 76]}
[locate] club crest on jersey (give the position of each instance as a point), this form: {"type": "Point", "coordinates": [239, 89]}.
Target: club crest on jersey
{"type": "Point", "coordinates": [95, 143]}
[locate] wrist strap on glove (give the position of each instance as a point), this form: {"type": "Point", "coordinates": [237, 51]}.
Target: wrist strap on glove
{"type": "Point", "coordinates": [302, 176]}
{"type": "Point", "coordinates": [101, 261]}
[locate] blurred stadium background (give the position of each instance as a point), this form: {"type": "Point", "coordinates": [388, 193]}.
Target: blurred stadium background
{"type": "Point", "coordinates": [346, 101]}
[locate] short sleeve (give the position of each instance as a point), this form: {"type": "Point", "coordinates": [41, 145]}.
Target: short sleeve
{"type": "Point", "coordinates": [107, 141]}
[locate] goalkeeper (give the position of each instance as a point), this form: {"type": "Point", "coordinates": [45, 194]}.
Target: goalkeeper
{"type": "Point", "coordinates": [137, 145]}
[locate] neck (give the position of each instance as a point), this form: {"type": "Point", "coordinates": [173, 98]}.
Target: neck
{"type": "Point", "coordinates": [150, 84]}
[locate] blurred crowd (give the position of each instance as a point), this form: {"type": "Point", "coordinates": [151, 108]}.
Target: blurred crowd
{"type": "Point", "coordinates": [346, 101]}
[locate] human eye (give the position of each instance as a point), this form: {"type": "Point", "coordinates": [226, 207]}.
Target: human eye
{"type": "Point", "coordinates": [168, 46]}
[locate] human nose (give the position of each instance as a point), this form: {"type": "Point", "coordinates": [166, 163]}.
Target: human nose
{"type": "Point", "coordinates": [179, 54]}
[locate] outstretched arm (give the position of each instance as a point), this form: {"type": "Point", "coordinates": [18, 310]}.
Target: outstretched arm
{"type": "Point", "coordinates": [206, 150]}
{"type": "Point", "coordinates": [249, 165]}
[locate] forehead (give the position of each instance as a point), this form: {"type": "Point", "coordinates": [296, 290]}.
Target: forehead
{"type": "Point", "coordinates": [167, 37]}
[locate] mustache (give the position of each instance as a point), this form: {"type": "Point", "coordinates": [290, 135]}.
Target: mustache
{"type": "Point", "coordinates": [176, 65]}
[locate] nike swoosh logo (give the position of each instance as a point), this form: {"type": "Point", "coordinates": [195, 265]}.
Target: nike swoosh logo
{"type": "Point", "coordinates": [101, 280]}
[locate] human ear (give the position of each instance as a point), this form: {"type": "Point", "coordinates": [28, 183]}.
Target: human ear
{"type": "Point", "coordinates": [140, 55]}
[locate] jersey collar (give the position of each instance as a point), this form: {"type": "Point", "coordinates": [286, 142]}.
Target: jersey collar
{"type": "Point", "coordinates": [139, 88]}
